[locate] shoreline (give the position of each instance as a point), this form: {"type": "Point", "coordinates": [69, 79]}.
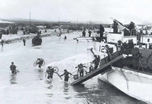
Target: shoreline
{"type": "Point", "coordinates": [18, 39]}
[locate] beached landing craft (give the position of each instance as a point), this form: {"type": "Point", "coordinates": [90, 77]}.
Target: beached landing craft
{"type": "Point", "coordinates": [131, 74]}
{"type": "Point", "coordinates": [37, 40]}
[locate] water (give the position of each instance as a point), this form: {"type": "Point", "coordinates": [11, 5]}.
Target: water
{"type": "Point", "coordinates": [30, 86]}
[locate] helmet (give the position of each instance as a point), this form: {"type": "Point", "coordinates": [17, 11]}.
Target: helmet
{"type": "Point", "coordinates": [65, 70]}
{"type": "Point", "coordinates": [95, 56]}
{"type": "Point", "coordinates": [49, 66]}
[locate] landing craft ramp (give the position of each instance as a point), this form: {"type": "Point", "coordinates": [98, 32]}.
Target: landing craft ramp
{"type": "Point", "coordinates": [101, 70]}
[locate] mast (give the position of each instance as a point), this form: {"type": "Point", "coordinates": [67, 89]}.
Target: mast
{"type": "Point", "coordinates": [77, 25]}
{"type": "Point", "coordinates": [142, 34]}
{"type": "Point", "coordinates": [29, 18]}
{"type": "Point", "coordinates": [59, 21]}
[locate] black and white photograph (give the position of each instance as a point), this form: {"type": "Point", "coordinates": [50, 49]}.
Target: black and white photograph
{"type": "Point", "coordinates": [75, 52]}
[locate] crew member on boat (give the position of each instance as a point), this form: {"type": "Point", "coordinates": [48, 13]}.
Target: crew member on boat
{"type": "Point", "coordinates": [119, 45]}
{"type": "Point", "coordinates": [101, 32]}
{"type": "Point", "coordinates": [95, 61]}
{"type": "Point", "coordinates": [139, 36]}
{"type": "Point", "coordinates": [115, 27]}
{"type": "Point", "coordinates": [109, 52]}
{"type": "Point", "coordinates": [131, 28]}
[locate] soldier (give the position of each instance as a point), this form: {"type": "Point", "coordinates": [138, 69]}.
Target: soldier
{"type": "Point", "coordinates": [66, 75]}
{"type": "Point", "coordinates": [2, 43]}
{"type": "Point", "coordinates": [24, 42]}
{"type": "Point", "coordinates": [50, 71]}
{"type": "Point", "coordinates": [101, 32]}
{"type": "Point", "coordinates": [13, 68]}
{"type": "Point", "coordinates": [39, 61]}
{"type": "Point", "coordinates": [83, 33]}
{"type": "Point", "coordinates": [89, 33]}
{"type": "Point", "coordinates": [65, 37]}
{"type": "Point", "coordinates": [81, 69]}
{"type": "Point", "coordinates": [115, 27]}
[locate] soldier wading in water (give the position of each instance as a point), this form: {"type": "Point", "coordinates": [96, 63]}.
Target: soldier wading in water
{"type": "Point", "coordinates": [66, 75]}
{"type": "Point", "coordinates": [13, 68]}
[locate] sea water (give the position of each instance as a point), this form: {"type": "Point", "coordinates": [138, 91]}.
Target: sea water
{"type": "Point", "coordinates": [30, 85]}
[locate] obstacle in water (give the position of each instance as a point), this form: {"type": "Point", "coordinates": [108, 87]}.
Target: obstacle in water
{"type": "Point", "coordinates": [101, 70]}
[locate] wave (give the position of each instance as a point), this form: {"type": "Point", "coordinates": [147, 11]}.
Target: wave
{"type": "Point", "coordinates": [71, 62]}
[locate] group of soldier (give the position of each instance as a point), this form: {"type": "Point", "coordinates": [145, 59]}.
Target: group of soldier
{"type": "Point", "coordinates": [84, 33]}
{"type": "Point", "coordinates": [101, 31]}
{"type": "Point", "coordinates": [50, 70]}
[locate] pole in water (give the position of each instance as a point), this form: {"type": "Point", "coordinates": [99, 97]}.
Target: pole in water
{"type": "Point", "coordinates": [76, 48]}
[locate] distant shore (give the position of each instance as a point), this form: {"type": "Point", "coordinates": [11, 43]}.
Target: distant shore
{"type": "Point", "coordinates": [8, 40]}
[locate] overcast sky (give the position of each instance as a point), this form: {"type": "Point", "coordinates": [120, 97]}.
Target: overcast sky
{"type": "Point", "coordinates": [139, 11]}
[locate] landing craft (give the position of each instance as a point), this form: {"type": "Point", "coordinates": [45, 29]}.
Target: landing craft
{"type": "Point", "coordinates": [37, 40]}
{"type": "Point", "coordinates": [131, 74]}
{"type": "Point", "coordinates": [129, 67]}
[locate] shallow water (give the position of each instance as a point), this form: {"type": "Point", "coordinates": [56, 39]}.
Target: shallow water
{"type": "Point", "coordinates": [30, 86]}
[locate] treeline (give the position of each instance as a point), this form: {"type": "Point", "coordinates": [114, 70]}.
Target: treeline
{"type": "Point", "coordinates": [31, 26]}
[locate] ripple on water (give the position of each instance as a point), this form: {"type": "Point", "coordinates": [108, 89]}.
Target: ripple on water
{"type": "Point", "coordinates": [13, 79]}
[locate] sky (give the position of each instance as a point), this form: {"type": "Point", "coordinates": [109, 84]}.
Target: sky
{"type": "Point", "coordinates": [138, 11]}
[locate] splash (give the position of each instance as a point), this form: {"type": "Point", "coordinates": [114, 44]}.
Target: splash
{"type": "Point", "coordinates": [71, 62]}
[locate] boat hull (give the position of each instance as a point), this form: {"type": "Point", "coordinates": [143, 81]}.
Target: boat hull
{"type": "Point", "coordinates": [135, 84]}
{"type": "Point", "coordinates": [36, 41]}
